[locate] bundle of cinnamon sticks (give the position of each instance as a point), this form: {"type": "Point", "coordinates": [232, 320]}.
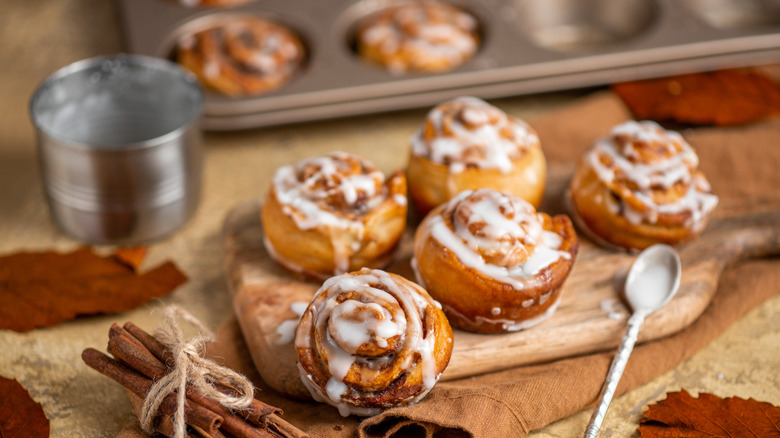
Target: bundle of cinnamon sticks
{"type": "Point", "coordinates": [139, 360]}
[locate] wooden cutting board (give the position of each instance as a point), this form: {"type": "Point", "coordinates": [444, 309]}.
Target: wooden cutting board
{"type": "Point", "coordinates": [591, 316]}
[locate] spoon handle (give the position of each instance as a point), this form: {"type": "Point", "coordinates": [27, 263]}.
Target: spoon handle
{"type": "Point", "coordinates": [614, 374]}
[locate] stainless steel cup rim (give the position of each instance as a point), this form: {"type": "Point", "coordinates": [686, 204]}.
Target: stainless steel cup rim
{"type": "Point", "coordinates": [147, 61]}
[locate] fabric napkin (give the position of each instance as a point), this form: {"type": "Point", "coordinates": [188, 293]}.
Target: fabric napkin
{"type": "Point", "coordinates": [740, 162]}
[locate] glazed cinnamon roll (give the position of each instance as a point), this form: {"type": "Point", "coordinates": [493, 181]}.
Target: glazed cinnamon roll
{"type": "Point", "coordinates": [333, 214]}
{"type": "Point", "coordinates": [640, 186]}
{"type": "Point", "coordinates": [421, 37]}
{"type": "Point", "coordinates": [242, 56]}
{"type": "Point", "coordinates": [370, 340]}
{"type": "Point", "coordinates": [494, 263]}
{"type": "Point", "coordinates": [467, 144]}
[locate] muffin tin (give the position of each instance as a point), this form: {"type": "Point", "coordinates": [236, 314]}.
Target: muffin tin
{"type": "Point", "coordinates": [528, 46]}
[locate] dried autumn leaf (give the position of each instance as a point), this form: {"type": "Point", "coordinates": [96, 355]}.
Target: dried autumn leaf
{"type": "Point", "coordinates": [20, 415]}
{"type": "Point", "coordinates": [725, 97]}
{"type": "Point", "coordinates": [45, 288]}
{"type": "Point", "coordinates": [132, 257]}
{"type": "Point", "coordinates": [681, 415]}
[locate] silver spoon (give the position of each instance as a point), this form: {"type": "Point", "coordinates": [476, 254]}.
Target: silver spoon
{"type": "Point", "coordinates": [651, 282]}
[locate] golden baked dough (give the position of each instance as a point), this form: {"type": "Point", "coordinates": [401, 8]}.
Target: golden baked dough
{"type": "Point", "coordinates": [468, 144]}
{"type": "Point", "coordinates": [333, 214]}
{"type": "Point", "coordinates": [421, 37]}
{"type": "Point", "coordinates": [640, 186]}
{"type": "Point", "coordinates": [370, 340]}
{"type": "Point", "coordinates": [242, 56]}
{"type": "Point", "coordinates": [492, 261]}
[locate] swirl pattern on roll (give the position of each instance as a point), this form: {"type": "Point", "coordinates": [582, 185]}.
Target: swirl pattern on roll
{"type": "Point", "coordinates": [468, 144]}
{"type": "Point", "coordinates": [334, 189]}
{"type": "Point", "coordinates": [425, 36]}
{"type": "Point", "coordinates": [498, 235]}
{"type": "Point", "coordinates": [468, 132]}
{"type": "Point", "coordinates": [494, 262]}
{"type": "Point", "coordinates": [370, 340]}
{"type": "Point", "coordinates": [331, 214]}
{"type": "Point", "coordinates": [652, 172]}
{"type": "Point", "coordinates": [242, 55]}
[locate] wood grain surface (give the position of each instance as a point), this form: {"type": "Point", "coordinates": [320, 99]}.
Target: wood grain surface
{"type": "Point", "coordinates": [591, 316]}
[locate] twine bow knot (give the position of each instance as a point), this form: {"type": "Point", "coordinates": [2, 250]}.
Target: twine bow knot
{"type": "Point", "coordinates": [191, 369]}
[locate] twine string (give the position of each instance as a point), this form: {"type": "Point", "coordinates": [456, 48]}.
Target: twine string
{"type": "Point", "coordinates": [189, 367]}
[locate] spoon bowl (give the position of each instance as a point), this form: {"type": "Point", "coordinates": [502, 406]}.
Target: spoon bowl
{"type": "Point", "coordinates": [653, 279]}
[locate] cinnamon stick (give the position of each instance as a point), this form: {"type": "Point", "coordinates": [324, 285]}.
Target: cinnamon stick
{"type": "Point", "coordinates": [151, 343]}
{"type": "Point", "coordinates": [255, 412]}
{"type": "Point", "coordinates": [283, 428]}
{"type": "Point", "coordinates": [147, 361]}
{"type": "Point", "coordinates": [164, 422]}
{"type": "Point", "coordinates": [127, 348]}
{"type": "Point", "coordinates": [194, 415]}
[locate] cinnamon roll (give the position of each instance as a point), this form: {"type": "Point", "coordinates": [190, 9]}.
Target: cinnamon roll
{"type": "Point", "coordinates": [420, 37]}
{"type": "Point", "coordinates": [370, 340]}
{"type": "Point", "coordinates": [495, 264]}
{"type": "Point", "coordinates": [333, 214]}
{"type": "Point", "coordinates": [468, 144]}
{"type": "Point", "coordinates": [640, 186]}
{"type": "Point", "coordinates": [242, 56]}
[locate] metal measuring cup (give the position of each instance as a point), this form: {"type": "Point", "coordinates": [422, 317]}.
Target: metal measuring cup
{"type": "Point", "coordinates": [120, 147]}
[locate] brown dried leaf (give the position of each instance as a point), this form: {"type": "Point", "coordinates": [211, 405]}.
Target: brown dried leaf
{"type": "Point", "coordinates": [20, 415]}
{"type": "Point", "coordinates": [45, 288]}
{"type": "Point", "coordinates": [725, 97]}
{"type": "Point", "coordinates": [681, 415]}
{"type": "Point", "coordinates": [132, 256]}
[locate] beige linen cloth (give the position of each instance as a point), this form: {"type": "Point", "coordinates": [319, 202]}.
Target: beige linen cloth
{"type": "Point", "coordinates": [741, 163]}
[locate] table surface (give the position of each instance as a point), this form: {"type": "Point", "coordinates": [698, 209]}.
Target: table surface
{"type": "Point", "coordinates": [37, 37]}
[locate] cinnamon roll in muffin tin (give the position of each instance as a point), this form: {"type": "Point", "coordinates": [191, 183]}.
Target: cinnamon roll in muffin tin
{"type": "Point", "coordinates": [525, 46]}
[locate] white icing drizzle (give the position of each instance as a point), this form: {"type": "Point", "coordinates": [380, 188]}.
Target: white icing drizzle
{"type": "Point", "coordinates": [306, 192]}
{"type": "Point", "coordinates": [400, 199]}
{"type": "Point", "coordinates": [273, 47]}
{"type": "Point", "coordinates": [346, 325]}
{"type": "Point", "coordinates": [253, 45]}
{"type": "Point", "coordinates": [509, 233]}
{"type": "Point", "coordinates": [359, 323]}
{"type": "Point", "coordinates": [469, 132]}
{"type": "Point", "coordinates": [298, 307]}
{"type": "Point", "coordinates": [335, 388]}
{"type": "Point", "coordinates": [286, 328]}
{"type": "Point", "coordinates": [508, 324]}
{"type": "Point", "coordinates": [427, 30]}
{"type": "Point", "coordinates": [613, 308]}
{"type": "Point", "coordinates": [623, 152]}
{"type": "Point", "coordinates": [319, 395]}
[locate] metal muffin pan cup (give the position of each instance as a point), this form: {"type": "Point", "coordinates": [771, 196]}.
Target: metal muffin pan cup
{"type": "Point", "coordinates": [528, 46]}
